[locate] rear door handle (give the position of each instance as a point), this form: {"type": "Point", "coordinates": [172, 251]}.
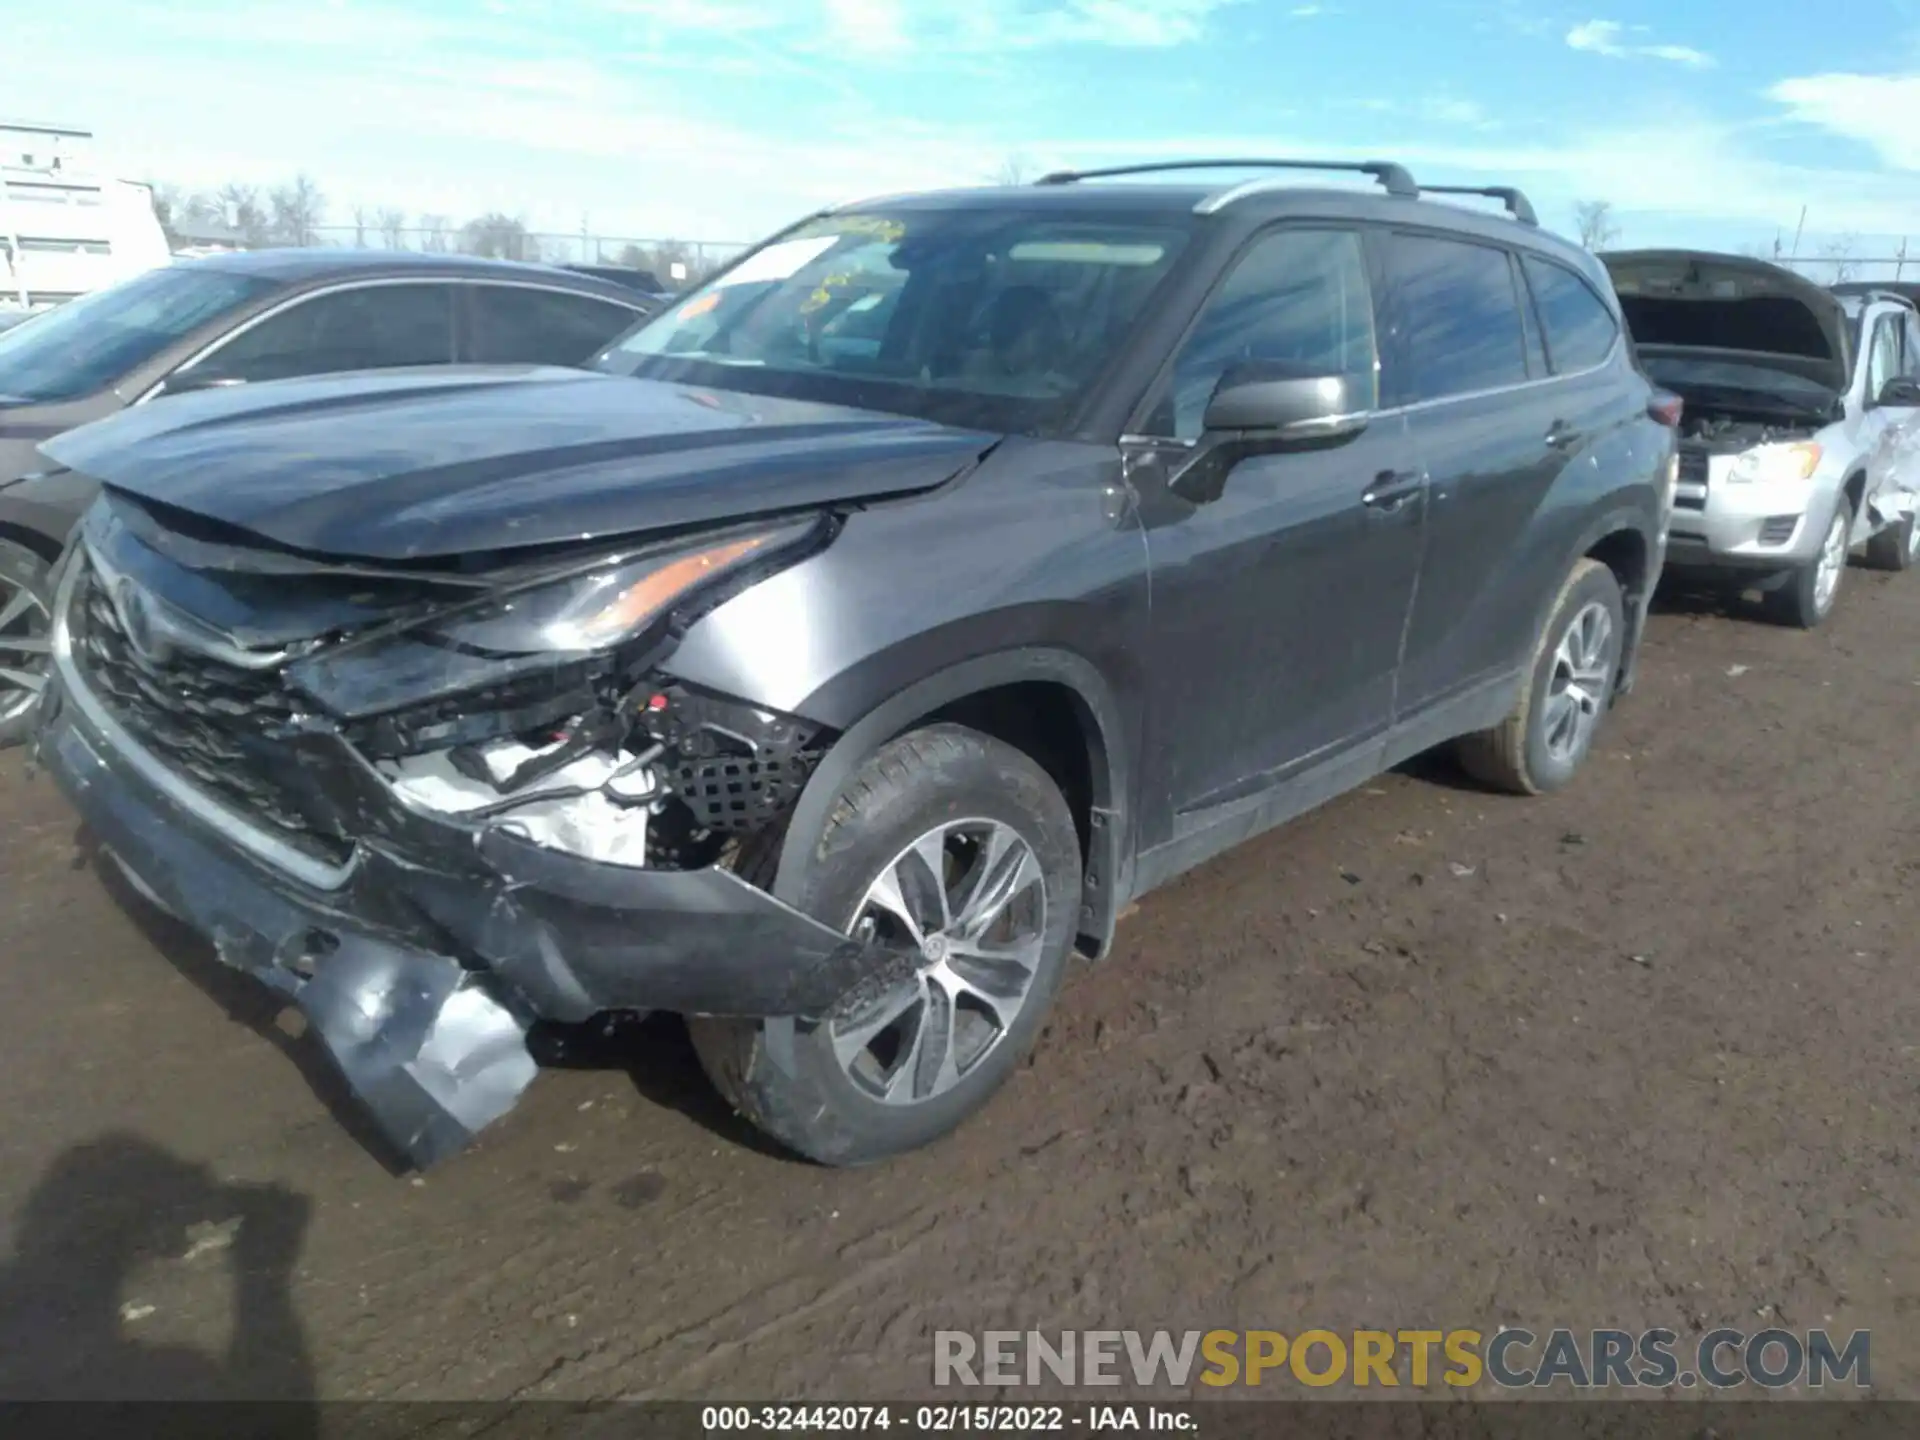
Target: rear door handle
{"type": "Point", "coordinates": [1563, 436]}
{"type": "Point", "coordinates": [1391, 489]}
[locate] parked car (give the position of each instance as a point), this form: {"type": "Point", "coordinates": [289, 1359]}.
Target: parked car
{"type": "Point", "coordinates": [833, 698]}
{"type": "Point", "coordinates": [1798, 443]}
{"type": "Point", "coordinates": [1905, 289]}
{"type": "Point", "coordinates": [633, 278]}
{"type": "Point", "coordinates": [235, 319]}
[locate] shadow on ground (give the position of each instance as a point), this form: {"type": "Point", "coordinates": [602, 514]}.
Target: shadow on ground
{"type": "Point", "coordinates": [658, 1057]}
{"type": "Point", "coordinates": [104, 1209]}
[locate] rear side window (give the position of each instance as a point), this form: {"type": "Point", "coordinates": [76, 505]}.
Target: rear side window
{"type": "Point", "coordinates": [372, 327]}
{"type": "Point", "coordinates": [1297, 297]}
{"type": "Point", "coordinates": [1456, 319]}
{"type": "Point", "coordinates": [1580, 328]}
{"type": "Point", "coordinates": [516, 325]}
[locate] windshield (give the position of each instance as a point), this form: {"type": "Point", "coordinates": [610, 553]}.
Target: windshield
{"type": "Point", "coordinates": [89, 343]}
{"type": "Point", "coordinates": [981, 318]}
{"type": "Point", "coordinates": [1730, 382]}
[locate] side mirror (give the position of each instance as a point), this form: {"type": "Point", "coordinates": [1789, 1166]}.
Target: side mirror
{"type": "Point", "coordinates": [1279, 402]}
{"type": "Point", "coordinates": [185, 382]}
{"type": "Point", "coordinates": [1262, 408]}
{"type": "Point", "coordinates": [1902, 392]}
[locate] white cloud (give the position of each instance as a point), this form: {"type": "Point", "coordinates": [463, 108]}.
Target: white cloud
{"type": "Point", "coordinates": [1306, 12]}
{"type": "Point", "coordinates": [1608, 37]}
{"type": "Point", "coordinates": [1882, 111]}
{"type": "Point", "coordinates": [868, 25]}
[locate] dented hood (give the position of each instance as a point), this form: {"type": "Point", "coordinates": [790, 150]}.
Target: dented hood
{"type": "Point", "coordinates": [421, 465]}
{"type": "Point", "coordinates": [1732, 304]}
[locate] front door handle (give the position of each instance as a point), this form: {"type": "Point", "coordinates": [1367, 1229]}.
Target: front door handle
{"type": "Point", "coordinates": [1391, 489]}
{"type": "Point", "coordinates": [1562, 436]}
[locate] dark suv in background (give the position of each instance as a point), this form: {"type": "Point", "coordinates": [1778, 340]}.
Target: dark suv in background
{"type": "Point", "coordinates": [237, 319]}
{"type": "Point", "coordinates": [891, 611]}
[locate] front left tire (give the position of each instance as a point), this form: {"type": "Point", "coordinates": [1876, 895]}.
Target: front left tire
{"type": "Point", "coordinates": [1807, 597]}
{"type": "Point", "coordinates": [960, 848]}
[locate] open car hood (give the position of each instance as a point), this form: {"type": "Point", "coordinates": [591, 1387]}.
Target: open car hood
{"type": "Point", "coordinates": [1733, 305]}
{"type": "Point", "coordinates": [427, 465]}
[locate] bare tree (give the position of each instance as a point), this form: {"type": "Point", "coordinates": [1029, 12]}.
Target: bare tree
{"type": "Point", "coordinates": [433, 233]}
{"type": "Point", "coordinates": [297, 209]}
{"type": "Point", "coordinates": [1593, 220]}
{"type": "Point", "coordinates": [240, 208]}
{"type": "Point", "coordinates": [1840, 254]}
{"type": "Point", "coordinates": [392, 224]}
{"type": "Point", "coordinates": [499, 237]}
{"type": "Point", "coordinates": [1013, 170]}
{"type": "Point", "coordinates": [359, 227]}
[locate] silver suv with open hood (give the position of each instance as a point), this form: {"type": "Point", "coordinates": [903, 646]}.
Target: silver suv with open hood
{"type": "Point", "coordinates": [1799, 442]}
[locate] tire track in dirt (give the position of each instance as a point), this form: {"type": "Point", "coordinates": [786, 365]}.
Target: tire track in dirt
{"type": "Point", "coordinates": [1419, 1098]}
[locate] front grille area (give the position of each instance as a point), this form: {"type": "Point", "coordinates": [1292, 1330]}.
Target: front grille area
{"type": "Point", "coordinates": [197, 715]}
{"type": "Point", "coordinates": [1692, 493]}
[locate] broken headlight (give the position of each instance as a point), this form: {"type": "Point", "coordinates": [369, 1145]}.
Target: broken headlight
{"type": "Point", "coordinates": [549, 626]}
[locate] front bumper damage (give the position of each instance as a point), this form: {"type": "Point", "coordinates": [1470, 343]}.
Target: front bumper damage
{"type": "Point", "coordinates": [422, 962]}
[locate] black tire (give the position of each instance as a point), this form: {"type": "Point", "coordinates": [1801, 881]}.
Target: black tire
{"type": "Point", "coordinates": [1516, 755]}
{"type": "Point", "coordinates": [1796, 601]}
{"type": "Point", "coordinates": [1897, 547]}
{"type": "Point", "coordinates": [21, 570]}
{"type": "Point", "coordinates": [782, 1074]}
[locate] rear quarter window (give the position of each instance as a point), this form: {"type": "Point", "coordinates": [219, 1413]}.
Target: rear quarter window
{"type": "Point", "coordinates": [1580, 329]}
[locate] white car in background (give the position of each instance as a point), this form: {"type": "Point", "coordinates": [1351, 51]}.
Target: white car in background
{"type": "Point", "coordinates": [1799, 441]}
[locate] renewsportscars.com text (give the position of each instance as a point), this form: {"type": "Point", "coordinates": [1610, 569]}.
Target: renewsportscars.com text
{"type": "Point", "coordinates": [1509, 1358]}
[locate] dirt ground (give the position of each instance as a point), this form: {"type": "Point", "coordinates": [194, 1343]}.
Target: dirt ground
{"type": "Point", "coordinates": [1639, 1054]}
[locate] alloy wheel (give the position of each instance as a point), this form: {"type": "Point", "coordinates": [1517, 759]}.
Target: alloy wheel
{"type": "Point", "coordinates": [25, 648]}
{"type": "Point", "coordinates": [1583, 667]}
{"type": "Point", "coordinates": [970, 895]}
{"type": "Point", "coordinates": [1832, 564]}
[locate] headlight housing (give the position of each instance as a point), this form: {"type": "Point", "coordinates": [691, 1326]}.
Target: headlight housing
{"type": "Point", "coordinates": [1767, 464]}
{"type": "Point", "coordinates": [552, 625]}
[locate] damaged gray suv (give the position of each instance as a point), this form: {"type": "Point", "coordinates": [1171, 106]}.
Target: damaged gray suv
{"type": "Point", "coordinates": [844, 656]}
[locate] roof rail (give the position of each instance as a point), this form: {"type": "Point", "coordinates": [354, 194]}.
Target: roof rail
{"type": "Point", "coordinates": [1394, 177]}
{"type": "Point", "coordinates": [1517, 204]}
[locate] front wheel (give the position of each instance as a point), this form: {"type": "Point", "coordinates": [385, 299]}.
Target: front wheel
{"type": "Point", "coordinates": [961, 848]}
{"type": "Point", "coordinates": [1807, 597]}
{"type": "Point", "coordinates": [1548, 736]}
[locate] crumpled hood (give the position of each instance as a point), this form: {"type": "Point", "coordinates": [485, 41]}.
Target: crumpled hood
{"type": "Point", "coordinates": [426, 464]}
{"type": "Point", "coordinates": [1690, 299]}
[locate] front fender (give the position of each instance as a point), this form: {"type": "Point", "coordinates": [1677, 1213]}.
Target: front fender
{"type": "Point", "coordinates": [885, 709]}
{"type": "Point", "coordinates": [44, 512]}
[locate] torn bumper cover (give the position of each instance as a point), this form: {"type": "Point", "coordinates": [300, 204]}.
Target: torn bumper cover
{"type": "Point", "coordinates": [423, 969]}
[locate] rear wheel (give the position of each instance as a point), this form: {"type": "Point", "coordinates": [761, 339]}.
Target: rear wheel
{"type": "Point", "coordinates": [960, 848]}
{"type": "Point", "coordinates": [1548, 736]}
{"type": "Point", "coordinates": [1897, 547]}
{"type": "Point", "coordinates": [1807, 597]}
{"type": "Point", "coordinates": [26, 608]}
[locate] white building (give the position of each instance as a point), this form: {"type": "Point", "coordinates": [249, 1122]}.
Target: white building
{"type": "Point", "coordinates": [65, 227]}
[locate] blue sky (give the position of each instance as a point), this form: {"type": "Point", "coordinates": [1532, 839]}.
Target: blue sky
{"type": "Point", "coordinates": [1709, 122]}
